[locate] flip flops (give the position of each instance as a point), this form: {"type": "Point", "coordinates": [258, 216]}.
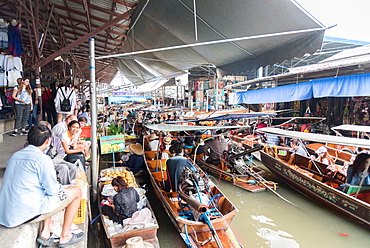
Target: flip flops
{"type": "Point", "coordinates": [45, 242]}
{"type": "Point", "coordinates": [76, 238]}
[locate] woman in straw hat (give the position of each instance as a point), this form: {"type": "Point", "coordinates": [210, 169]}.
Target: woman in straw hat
{"type": "Point", "coordinates": [136, 163]}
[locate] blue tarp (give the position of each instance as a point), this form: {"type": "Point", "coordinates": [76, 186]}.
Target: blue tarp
{"type": "Point", "coordinates": [344, 86]}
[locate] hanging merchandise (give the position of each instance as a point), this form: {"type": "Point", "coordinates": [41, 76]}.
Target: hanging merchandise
{"type": "Point", "coordinates": [3, 66]}
{"type": "Point", "coordinates": [14, 70]}
{"type": "Point", "coordinates": [15, 43]}
{"type": "Point", "coordinates": [3, 34]}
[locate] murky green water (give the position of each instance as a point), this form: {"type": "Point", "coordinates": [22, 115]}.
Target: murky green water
{"type": "Point", "coordinates": [264, 220]}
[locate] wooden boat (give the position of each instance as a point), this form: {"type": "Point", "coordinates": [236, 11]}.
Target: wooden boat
{"type": "Point", "coordinates": [310, 178]}
{"type": "Point", "coordinates": [115, 234]}
{"type": "Point", "coordinates": [236, 171]}
{"type": "Point", "coordinates": [203, 218]}
{"type": "Point", "coordinates": [340, 156]}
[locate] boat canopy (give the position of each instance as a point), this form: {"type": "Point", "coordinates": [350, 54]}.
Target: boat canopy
{"type": "Point", "coordinates": [236, 116]}
{"type": "Point", "coordinates": [321, 138]}
{"type": "Point", "coordinates": [343, 86]}
{"type": "Point", "coordinates": [177, 128]}
{"type": "Point", "coordinates": [354, 128]}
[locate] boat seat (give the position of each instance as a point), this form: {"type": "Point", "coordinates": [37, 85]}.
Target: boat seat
{"type": "Point", "coordinates": [354, 188]}
{"type": "Point", "coordinates": [157, 164]}
{"type": "Point", "coordinates": [150, 155]}
{"type": "Point", "coordinates": [159, 176]}
{"type": "Point", "coordinates": [200, 156]}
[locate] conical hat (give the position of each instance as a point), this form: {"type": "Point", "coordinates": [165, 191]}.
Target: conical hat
{"type": "Point", "coordinates": [137, 149]}
{"type": "Point", "coordinates": [137, 242]}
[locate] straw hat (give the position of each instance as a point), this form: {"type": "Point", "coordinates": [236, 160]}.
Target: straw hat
{"type": "Point", "coordinates": [137, 149]}
{"type": "Point", "coordinates": [321, 149]}
{"type": "Point", "coordinates": [137, 242]}
{"type": "Point", "coordinates": [167, 140]}
{"type": "Point", "coordinates": [153, 136]}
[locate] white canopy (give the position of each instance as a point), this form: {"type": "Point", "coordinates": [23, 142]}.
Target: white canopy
{"type": "Point", "coordinates": [355, 128]}
{"type": "Point", "coordinates": [177, 128]}
{"type": "Point", "coordinates": [321, 138]}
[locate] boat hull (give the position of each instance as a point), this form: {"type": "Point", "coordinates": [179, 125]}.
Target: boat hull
{"type": "Point", "coordinates": [149, 234]}
{"type": "Point", "coordinates": [237, 180]}
{"type": "Point", "coordinates": [318, 191]}
{"type": "Point", "coordinates": [198, 230]}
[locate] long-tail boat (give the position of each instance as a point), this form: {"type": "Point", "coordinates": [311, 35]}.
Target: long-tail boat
{"type": "Point", "coordinates": [199, 210]}
{"type": "Point", "coordinates": [116, 234]}
{"type": "Point", "coordinates": [236, 171]}
{"type": "Point", "coordinates": [309, 178]}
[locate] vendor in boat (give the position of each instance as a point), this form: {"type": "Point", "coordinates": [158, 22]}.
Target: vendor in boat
{"type": "Point", "coordinates": [296, 148]}
{"type": "Point", "coordinates": [215, 149]}
{"type": "Point", "coordinates": [136, 161]}
{"type": "Point", "coordinates": [358, 169]}
{"type": "Point", "coordinates": [124, 202]}
{"type": "Point", "coordinates": [323, 156]}
{"type": "Point", "coordinates": [176, 164]}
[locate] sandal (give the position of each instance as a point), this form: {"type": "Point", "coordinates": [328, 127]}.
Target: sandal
{"type": "Point", "coordinates": [76, 238]}
{"type": "Point", "coordinates": [45, 242]}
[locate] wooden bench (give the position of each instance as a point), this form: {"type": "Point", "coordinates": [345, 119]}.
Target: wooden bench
{"type": "Point", "coordinates": [157, 164]}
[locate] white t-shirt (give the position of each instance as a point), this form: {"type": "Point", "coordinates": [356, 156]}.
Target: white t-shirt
{"type": "Point", "coordinates": [59, 129]}
{"type": "Point", "coordinates": [154, 145]}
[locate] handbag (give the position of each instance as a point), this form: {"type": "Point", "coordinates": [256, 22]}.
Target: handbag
{"type": "Point", "coordinates": [73, 157]}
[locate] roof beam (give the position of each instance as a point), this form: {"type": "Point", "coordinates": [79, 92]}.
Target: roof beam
{"type": "Point", "coordinates": [87, 9]}
{"type": "Point", "coordinates": [130, 5]}
{"type": "Point", "coordinates": [69, 10]}
{"type": "Point", "coordinates": [82, 39]}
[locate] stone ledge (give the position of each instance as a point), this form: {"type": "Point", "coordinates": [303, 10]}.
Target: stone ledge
{"type": "Point", "coordinates": [20, 237]}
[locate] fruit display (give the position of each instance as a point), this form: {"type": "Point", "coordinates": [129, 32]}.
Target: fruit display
{"type": "Point", "coordinates": [108, 175]}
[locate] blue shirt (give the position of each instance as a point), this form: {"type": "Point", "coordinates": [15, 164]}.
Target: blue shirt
{"type": "Point", "coordinates": [175, 166]}
{"type": "Point", "coordinates": [355, 180]}
{"type": "Point", "coordinates": [29, 188]}
{"type": "Point", "coordinates": [136, 163]}
{"type": "Point", "coordinates": [24, 96]}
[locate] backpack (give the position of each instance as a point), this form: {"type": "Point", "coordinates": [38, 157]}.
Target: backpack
{"type": "Point", "coordinates": [65, 104]}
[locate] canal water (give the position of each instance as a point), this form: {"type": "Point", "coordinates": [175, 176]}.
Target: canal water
{"type": "Point", "coordinates": [266, 221]}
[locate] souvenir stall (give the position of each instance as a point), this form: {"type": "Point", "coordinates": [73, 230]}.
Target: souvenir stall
{"type": "Point", "coordinates": [10, 63]}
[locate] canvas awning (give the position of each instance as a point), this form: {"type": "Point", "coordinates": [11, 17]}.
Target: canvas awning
{"type": "Point", "coordinates": [271, 31]}
{"type": "Point", "coordinates": [322, 138]}
{"type": "Point", "coordinates": [344, 86]}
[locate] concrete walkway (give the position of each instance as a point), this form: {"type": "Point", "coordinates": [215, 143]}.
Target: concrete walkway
{"type": "Point", "coordinates": [24, 235]}
{"type": "Point", "coordinates": [8, 147]}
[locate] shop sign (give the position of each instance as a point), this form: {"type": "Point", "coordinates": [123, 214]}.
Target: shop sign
{"type": "Point", "coordinates": [111, 144]}
{"type": "Point", "coordinates": [125, 93]}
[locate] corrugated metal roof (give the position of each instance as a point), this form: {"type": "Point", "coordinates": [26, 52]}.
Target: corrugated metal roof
{"type": "Point", "coordinates": [161, 23]}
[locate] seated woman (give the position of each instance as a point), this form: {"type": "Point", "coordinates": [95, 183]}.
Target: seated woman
{"type": "Point", "coordinates": [82, 144]}
{"type": "Point", "coordinates": [124, 203]}
{"type": "Point", "coordinates": [356, 170]}
{"type": "Point", "coordinates": [69, 141]}
{"type": "Point", "coordinates": [323, 156]}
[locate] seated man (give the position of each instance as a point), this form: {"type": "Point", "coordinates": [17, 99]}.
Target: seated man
{"type": "Point", "coordinates": [176, 164]}
{"type": "Point", "coordinates": [297, 149]}
{"type": "Point", "coordinates": [66, 171]}
{"type": "Point", "coordinates": [62, 126]}
{"type": "Point", "coordinates": [30, 191]}
{"type": "Point", "coordinates": [215, 149]}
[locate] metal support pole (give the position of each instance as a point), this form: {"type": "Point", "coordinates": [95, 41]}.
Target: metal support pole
{"type": "Point", "coordinates": [216, 95]}
{"type": "Point", "coordinates": [94, 144]}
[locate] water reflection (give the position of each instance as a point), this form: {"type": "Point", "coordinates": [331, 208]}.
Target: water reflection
{"type": "Point", "coordinates": [277, 239]}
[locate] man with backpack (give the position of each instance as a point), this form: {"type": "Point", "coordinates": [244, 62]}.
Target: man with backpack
{"type": "Point", "coordinates": [65, 101]}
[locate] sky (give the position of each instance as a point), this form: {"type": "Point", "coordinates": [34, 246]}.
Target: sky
{"type": "Point", "coordinates": [351, 17]}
